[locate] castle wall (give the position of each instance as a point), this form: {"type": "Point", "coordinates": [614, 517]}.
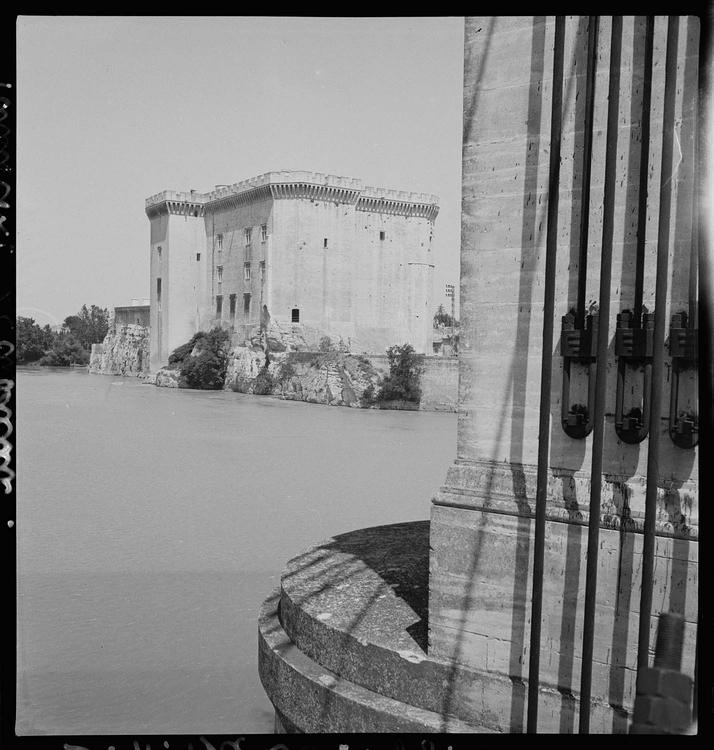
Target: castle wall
{"type": "Point", "coordinates": [231, 220]}
{"type": "Point", "coordinates": [132, 315]}
{"type": "Point", "coordinates": [482, 529]}
{"type": "Point", "coordinates": [304, 273]}
{"type": "Point", "coordinates": [392, 277]}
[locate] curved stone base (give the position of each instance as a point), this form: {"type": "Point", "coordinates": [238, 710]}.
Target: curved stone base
{"type": "Point", "coordinates": [343, 648]}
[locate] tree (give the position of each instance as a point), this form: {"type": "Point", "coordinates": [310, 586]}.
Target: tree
{"type": "Point", "coordinates": [402, 383]}
{"type": "Point", "coordinates": [66, 351]}
{"type": "Point", "coordinates": [89, 326]}
{"type": "Point", "coordinates": [31, 341]}
{"type": "Point", "coordinates": [442, 318]}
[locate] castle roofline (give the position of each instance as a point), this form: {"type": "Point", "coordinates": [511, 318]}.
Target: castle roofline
{"type": "Point", "coordinates": [297, 184]}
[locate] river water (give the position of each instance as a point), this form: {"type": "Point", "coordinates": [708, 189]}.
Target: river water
{"type": "Point", "coordinates": [153, 522]}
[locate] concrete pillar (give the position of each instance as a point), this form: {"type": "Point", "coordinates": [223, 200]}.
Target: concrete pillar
{"type": "Point", "coordinates": [482, 518]}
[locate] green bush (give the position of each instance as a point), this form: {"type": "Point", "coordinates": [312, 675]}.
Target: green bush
{"type": "Point", "coordinates": [368, 395]}
{"type": "Point", "coordinates": [287, 370]}
{"type": "Point", "coordinates": [65, 352]}
{"type": "Point", "coordinates": [264, 382]}
{"type": "Point", "coordinates": [403, 381]}
{"type": "Point", "coordinates": [179, 354]}
{"type": "Point", "coordinates": [207, 370]}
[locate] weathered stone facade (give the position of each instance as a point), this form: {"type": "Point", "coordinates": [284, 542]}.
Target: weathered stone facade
{"type": "Point", "coordinates": [329, 252]}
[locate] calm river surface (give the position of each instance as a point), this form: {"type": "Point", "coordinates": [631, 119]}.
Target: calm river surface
{"type": "Point", "coordinates": [152, 523]}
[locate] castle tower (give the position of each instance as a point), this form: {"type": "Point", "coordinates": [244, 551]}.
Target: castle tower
{"type": "Point", "coordinates": [177, 269]}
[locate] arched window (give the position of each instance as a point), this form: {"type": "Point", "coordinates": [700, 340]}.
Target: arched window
{"type": "Point", "coordinates": [295, 315]}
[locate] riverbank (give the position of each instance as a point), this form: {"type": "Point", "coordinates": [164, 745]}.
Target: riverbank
{"type": "Point", "coordinates": [282, 366]}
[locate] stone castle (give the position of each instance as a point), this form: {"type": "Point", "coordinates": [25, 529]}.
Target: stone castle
{"type": "Point", "coordinates": [295, 248]}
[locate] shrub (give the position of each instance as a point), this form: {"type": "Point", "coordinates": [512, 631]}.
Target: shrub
{"type": "Point", "coordinates": [402, 383]}
{"type": "Point", "coordinates": [326, 344]}
{"type": "Point", "coordinates": [207, 370]}
{"type": "Point", "coordinates": [65, 352]}
{"type": "Point", "coordinates": [368, 395]}
{"type": "Point", "coordinates": [286, 370]}
{"type": "Point", "coordinates": [179, 354]}
{"type": "Point", "coordinates": [264, 382]}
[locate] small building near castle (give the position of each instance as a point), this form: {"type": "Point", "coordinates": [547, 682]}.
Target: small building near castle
{"type": "Point", "coordinates": [298, 248]}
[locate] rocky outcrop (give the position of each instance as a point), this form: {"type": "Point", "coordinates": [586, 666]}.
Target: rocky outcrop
{"type": "Point", "coordinates": [167, 378]}
{"type": "Point", "coordinates": [335, 378]}
{"type": "Point", "coordinates": [244, 366]}
{"type": "Point", "coordinates": [124, 351]}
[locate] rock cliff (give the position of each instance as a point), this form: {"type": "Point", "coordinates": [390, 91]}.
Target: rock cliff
{"type": "Point", "coordinates": [124, 351]}
{"type": "Point", "coordinates": [334, 377]}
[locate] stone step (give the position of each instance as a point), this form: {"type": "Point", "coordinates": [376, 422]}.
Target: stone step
{"type": "Point", "coordinates": [357, 606]}
{"type": "Point", "coordinates": [310, 698]}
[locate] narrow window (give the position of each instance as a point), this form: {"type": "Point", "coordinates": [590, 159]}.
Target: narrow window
{"type": "Point", "coordinates": [248, 234]}
{"type": "Point", "coordinates": [198, 256]}
{"type": "Point", "coordinates": [232, 305]}
{"type": "Point", "coordinates": [296, 315]}
{"type": "Point", "coordinates": [246, 271]}
{"type": "Point", "coordinates": [324, 242]}
{"type": "Point", "coordinates": [263, 232]}
{"type": "Point", "coordinates": [219, 305]}
{"type": "Point", "coordinates": [262, 270]}
{"type": "Point", "coordinates": [219, 241]}
{"type": "Point", "coordinates": [158, 251]}
{"type": "Point", "coordinates": [219, 271]}
{"type": "Point", "coordinates": [246, 304]}
{"type": "Point", "coordinates": [382, 235]}
{"type": "Point", "coordinates": [158, 293]}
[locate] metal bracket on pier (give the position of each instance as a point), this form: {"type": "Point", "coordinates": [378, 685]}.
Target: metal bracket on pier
{"type": "Point", "coordinates": [684, 350]}
{"type": "Point", "coordinates": [578, 344]}
{"type": "Point", "coordinates": [633, 346]}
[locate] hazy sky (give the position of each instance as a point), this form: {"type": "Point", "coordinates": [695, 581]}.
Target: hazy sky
{"type": "Point", "coordinates": [114, 109]}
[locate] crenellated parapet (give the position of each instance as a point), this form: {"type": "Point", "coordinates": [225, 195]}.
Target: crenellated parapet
{"type": "Point", "coordinates": [295, 185]}
{"type": "Point", "coordinates": [383, 201]}
{"type": "Point", "coordinates": [175, 202]}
